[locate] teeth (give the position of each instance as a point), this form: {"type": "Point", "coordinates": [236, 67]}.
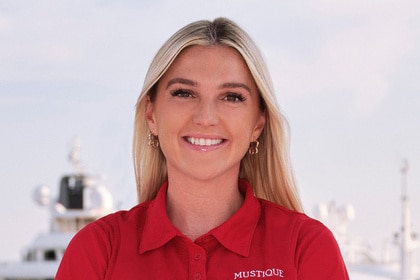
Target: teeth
{"type": "Point", "coordinates": [203, 141]}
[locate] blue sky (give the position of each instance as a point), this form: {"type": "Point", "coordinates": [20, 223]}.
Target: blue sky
{"type": "Point", "coordinates": [346, 74]}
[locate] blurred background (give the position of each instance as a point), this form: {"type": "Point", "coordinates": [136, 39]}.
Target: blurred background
{"type": "Point", "coordinates": [346, 75]}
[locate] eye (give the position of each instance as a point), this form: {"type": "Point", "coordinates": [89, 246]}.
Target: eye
{"type": "Point", "coordinates": [181, 93]}
{"type": "Point", "coordinates": [234, 97]}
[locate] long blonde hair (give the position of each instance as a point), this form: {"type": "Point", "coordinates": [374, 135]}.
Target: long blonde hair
{"type": "Point", "coordinates": [269, 172]}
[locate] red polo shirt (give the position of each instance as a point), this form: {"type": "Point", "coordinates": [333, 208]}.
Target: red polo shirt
{"type": "Point", "coordinates": [262, 240]}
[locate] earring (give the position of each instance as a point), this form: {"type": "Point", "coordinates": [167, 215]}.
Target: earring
{"type": "Point", "coordinates": [253, 147]}
{"type": "Point", "coordinates": [153, 140]}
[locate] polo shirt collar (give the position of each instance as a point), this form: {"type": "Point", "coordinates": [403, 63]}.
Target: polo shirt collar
{"type": "Point", "coordinates": [235, 234]}
{"type": "Point", "coordinates": [158, 229]}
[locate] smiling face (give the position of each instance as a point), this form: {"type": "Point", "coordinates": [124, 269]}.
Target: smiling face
{"type": "Point", "coordinates": [205, 113]}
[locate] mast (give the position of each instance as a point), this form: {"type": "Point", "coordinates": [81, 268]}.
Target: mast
{"type": "Point", "coordinates": [74, 156]}
{"type": "Point", "coordinates": [408, 243]}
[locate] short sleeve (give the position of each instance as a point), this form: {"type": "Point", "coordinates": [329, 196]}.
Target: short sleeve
{"type": "Point", "coordinates": [87, 254]}
{"type": "Point", "coordinates": [318, 255]}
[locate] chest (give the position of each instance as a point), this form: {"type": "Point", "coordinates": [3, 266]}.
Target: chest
{"type": "Point", "coordinates": [209, 260]}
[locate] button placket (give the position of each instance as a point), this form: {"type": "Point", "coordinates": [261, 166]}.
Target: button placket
{"type": "Point", "coordinates": [197, 256]}
{"type": "Point", "coordinates": [197, 263]}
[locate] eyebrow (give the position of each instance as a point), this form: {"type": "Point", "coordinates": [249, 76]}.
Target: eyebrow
{"type": "Point", "coordinates": [181, 81]}
{"type": "Point", "coordinates": [235, 85]}
{"type": "Point", "coordinates": [193, 83]}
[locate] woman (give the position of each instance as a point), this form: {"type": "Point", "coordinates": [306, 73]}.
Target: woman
{"type": "Point", "coordinates": [218, 199]}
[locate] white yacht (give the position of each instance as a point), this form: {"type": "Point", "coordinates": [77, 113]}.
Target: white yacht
{"type": "Point", "coordinates": [81, 199]}
{"type": "Point", "coordinates": [362, 262]}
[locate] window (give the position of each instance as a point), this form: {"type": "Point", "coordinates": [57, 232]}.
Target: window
{"type": "Point", "coordinates": [50, 255]}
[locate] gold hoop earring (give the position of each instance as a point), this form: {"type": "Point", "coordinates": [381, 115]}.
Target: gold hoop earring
{"type": "Point", "coordinates": [253, 147]}
{"type": "Point", "coordinates": [153, 140]}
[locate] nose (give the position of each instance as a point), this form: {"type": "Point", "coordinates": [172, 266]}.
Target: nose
{"type": "Point", "coordinates": [206, 113]}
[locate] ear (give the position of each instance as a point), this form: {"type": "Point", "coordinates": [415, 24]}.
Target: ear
{"type": "Point", "coordinates": [150, 116]}
{"type": "Point", "coordinates": [259, 126]}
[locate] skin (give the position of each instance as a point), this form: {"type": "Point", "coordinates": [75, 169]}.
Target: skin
{"type": "Point", "coordinates": [206, 113]}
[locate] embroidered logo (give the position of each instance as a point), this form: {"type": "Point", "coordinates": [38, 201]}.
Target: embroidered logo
{"type": "Point", "coordinates": [271, 272]}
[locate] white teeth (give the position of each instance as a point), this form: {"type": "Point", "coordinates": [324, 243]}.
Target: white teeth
{"type": "Point", "coordinates": [203, 141]}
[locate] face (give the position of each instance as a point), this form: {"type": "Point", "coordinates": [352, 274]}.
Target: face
{"type": "Point", "coordinates": [206, 113]}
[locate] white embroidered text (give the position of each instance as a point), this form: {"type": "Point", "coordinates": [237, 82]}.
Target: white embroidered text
{"type": "Point", "coordinates": [271, 272]}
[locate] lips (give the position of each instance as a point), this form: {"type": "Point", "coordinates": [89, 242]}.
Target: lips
{"type": "Point", "coordinates": [203, 141]}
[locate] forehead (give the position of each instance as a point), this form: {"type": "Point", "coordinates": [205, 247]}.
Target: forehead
{"type": "Point", "coordinates": [205, 50]}
{"type": "Point", "coordinates": [215, 60]}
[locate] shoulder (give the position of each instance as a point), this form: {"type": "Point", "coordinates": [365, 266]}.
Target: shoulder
{"type": "Point", "coordinates": [124, 216]}
{"type": "Point", "coordinates": [120, 221]}
{"type": "Point", "coordinates": [278, 215]}
{"type": "Point", "coordinates": [111, 227]}
{"type": "Point", "coordinates": [316, 251]}
{"type": "Point", "coordinates": [305, 234]}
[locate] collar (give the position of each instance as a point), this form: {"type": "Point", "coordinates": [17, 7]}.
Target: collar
{"type": "Point", "coordinates": [235, 234]}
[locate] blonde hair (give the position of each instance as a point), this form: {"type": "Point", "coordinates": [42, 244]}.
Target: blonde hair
{"type": "Point", "coordinates": [269, 172]}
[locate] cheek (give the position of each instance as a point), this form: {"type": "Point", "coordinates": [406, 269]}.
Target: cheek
{"type": "Point", "coordinates": [169, 123]}
{"type": "Point", "coordinates": [242, 123]}
{"type": "Point", "coordinates": [164, 118]}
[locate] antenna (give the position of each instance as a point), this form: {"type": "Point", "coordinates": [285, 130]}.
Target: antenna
{"type": "Point", "coordinates": [74, 156]}
{"type": "Point", "coordinates": [408, 243]}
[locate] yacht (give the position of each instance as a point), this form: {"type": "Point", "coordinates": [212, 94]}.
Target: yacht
{"type": "Point", "coordinates": [362, 262]}
{"type": "Point", "coordinates": [81, 199]}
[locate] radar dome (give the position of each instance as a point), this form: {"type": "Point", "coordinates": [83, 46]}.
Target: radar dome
{"type": "Point", "coordinates": [42, 195]}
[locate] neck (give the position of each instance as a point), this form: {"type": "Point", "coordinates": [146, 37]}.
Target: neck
{"type": "Point", "coordinates": [197, 207]}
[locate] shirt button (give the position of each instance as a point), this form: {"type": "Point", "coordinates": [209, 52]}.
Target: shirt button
{"type": "Point", "coordinates": [197, 276]}
{"type": "Point", "coordinates": [197, 256]}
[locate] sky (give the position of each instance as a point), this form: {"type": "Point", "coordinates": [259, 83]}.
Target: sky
{"type": "Point", "coordinates": [346, 75]}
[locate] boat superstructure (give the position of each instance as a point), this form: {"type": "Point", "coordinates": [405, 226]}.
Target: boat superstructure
{"type": "Point", "coordinates": [362, 263]}
{"type": "Point", "coordinates": [81, 199]}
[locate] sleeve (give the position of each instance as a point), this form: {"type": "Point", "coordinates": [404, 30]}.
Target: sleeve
{"type": "Point", "coordinates": [87, 255]}
{"type": "Point", "coordinates": [318, 255]}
